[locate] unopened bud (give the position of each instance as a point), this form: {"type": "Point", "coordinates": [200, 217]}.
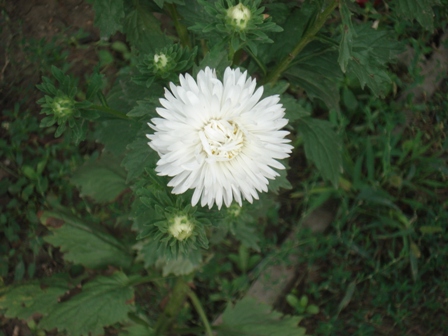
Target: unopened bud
{"type": "Point", "coordinates": [181, 228]}
{"type": "Point", "coordinates": [239, 15]}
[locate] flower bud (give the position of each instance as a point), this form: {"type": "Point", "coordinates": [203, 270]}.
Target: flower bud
{"type": "Point", "coordinates": [239, 16]}
{"type": "Point", "coordinates": [181, 228]}
{"type": "Point", "coordinates": [160, 61]}
{"type": "Point", "coordinates": [62, 106]}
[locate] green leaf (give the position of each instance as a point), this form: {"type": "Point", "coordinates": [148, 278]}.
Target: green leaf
{"type": "Point", "coordinates": [109, 15]}
{"type": "Point", "coordinates": [280, 181]}
{"type": "Point", "coordinates": [348, 296]}
{"type": "Point", "coordinates": [322, 146]}
{"type": "Point", "coordinates": [84, 244]}
{"type": "Point", "coordinates": [217, 58]}
{"type": "Point", "coordinates": [420, 10]}
{"type": "Point", "coordinates": [316, 71]}
{"type": "Point", "coordinates": [249, 317]}
{"type": "Point", "coordinates": [160, 3]}
{"type": "Point", "coordinates": [101, 179]}
{"type": "Point", "coordinates": [137, 330]}
{"type": "Point", "coordinates": [143, 30]}
{"type": "Point", "coordinates": [35, 297]}
{"type": "Point", "coordinates": [139, 157]}
{"type": "Point", "coordinates": [345, 46]}
{"type": "Point", "coordinates": [102, 302]}
{"type": "Point", "coordinates": [371, 51]}
{"type": "Point", "coordinates": [95, 82]}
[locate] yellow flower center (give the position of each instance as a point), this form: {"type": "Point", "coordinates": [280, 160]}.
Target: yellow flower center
{"type": "Point", "coordinates": [222, 139]}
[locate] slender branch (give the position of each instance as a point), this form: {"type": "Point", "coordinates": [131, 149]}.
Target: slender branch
{"type": "Point", "coordinates": [177, 298]}
{"type": "Point", "coordinates": [307, 38]}
{"type": "Point", "coordinates": [197, 305]}
{"type": "Point", "coordinates": [109, 110]}
{"type": "Point", "coordinates": [180, 28]}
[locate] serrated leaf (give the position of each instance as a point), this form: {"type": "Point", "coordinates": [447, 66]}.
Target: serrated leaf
{"type": "Point", "coordinates": [247, 236]}
{"type": "Point", "coordinates": [280, 181]}
{"type": "Point", "coordinates": [109, 15]}
{"type": "Point", "coordinates": [35, 297]}
{"type": "Point", "coordinates": [293, 30]}
{"type": "Point", "coordinates": [371, 51]}
{"type": "Point", "coordinates": [217, 58]}
{"type": "Point", "coordinates": [139, 156]}
{"type": "Point", "coordinates": [101, 179]}
{"type": "Point", "coordinates": [102, 302]}
{"type": "Point", "coordinates": [249, 317]}
{"type": "Point", "coordinates": [142, 29]}
{"type": "Point", "coordinates": [420, 10]}
{"type": "Point", "coordinates": [316, 71]}
{"type": "Point", "coordinates": [322, 146]}
{"type": "Point", "coordinates": [84, 244]}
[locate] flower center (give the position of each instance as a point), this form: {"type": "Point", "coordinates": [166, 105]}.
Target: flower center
{"type": "Point", "coordinates": [222, 139]}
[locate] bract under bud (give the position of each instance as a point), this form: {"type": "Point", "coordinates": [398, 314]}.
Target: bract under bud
{"type": "Point", "coordinates": [181, 228]}
{"type": "Point", "coordinates": [239, 16]}
{"type": "Point", "coordinates": [62, 106]}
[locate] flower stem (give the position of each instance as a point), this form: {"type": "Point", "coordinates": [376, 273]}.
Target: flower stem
{"type": "Point", "coordinates": [109, 110]}
{"type": "Point", "coordinates": [309, 35]}
{"type": "Point", "coordinates": [177, 298]}
{"type": "Point", "coordinates": [197, 305]}
{"type": "Point", "coordinates": [180, 28]}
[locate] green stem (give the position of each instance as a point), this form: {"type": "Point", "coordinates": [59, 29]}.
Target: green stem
{"type": "Point", "coordinates": [109, 110]}
{"type": "Point", "coordinates": [197, 305]}
{"type": "Point", "coordinates": [180, 28]}
{"type": "Point", "coordinates": [307, 38]}
{"type": "Point", "coordinates": [167, 318]}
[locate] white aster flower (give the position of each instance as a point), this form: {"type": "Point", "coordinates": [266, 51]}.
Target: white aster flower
{"type": "Point", "coordinates": [218, 138]}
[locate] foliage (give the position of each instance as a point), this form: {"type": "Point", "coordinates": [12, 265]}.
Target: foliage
{"type": "Point", "coordinates": [93, 241]}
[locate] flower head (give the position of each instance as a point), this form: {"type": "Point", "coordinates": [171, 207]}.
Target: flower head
{"type": "Point", "coordinates": [219, 138]}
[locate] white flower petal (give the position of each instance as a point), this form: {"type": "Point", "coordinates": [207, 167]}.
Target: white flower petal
{"type": "Point", "coordinates": [219, 138]}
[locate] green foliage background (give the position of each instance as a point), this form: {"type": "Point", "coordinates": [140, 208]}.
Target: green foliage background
{"type": "Point", "coordinates": [379, 269]}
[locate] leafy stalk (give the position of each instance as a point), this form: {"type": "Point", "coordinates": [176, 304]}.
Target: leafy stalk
{"type": "Point", "coordinates": [197, 305]}
{"type": "Point", "coordinates": [180, 28]}
{"type": "Point", "coordinates": [178, 296]}
{"type": "Point", "coordinates": [309, 35]}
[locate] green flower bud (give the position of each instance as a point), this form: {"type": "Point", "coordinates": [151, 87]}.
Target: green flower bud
{"type": "Point", "coordinates": [181, 228]}
{"type": "Point", "coordinates": [63, 106]}
{"type": "Point", "coordinates": [234, 210]}
{"type": "Point", "coordinates": [160, 61]}
{"type": "Point", "coordinates": [239, 16]}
